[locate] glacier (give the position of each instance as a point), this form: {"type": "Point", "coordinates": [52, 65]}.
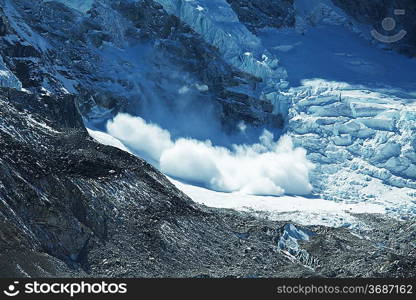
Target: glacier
{"type": "Point", "coordinates": [351, 105]}
{"type": "Point", "coordinates": [353, 109]}
{"type": "Point", "coordinates": [346, 100]}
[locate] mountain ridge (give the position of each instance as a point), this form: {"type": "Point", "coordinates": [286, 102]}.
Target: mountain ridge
{"type": "Point", "coordinates": [72, 207]}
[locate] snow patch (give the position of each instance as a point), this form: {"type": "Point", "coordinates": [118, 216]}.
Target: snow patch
{"type": "Point", "coordinates": [7, 78]}
{"type": "Point", "coordinates": [106, 139]}
{"type": "Point", "coordinates": [79, 5]}
{"type": "Point", "coordinates": [301, 210]}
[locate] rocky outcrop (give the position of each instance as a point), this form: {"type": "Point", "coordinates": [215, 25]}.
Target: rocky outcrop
{"type": "Point", "coordinates": [50, 45]}
{"type": "Point", "coordinates": [264, 13]}
{"type": "Point", "coordinates": [7, 78]}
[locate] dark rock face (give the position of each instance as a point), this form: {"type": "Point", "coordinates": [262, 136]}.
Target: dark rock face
{"type": "Point", "coordinates": [77, 208]}
{"type": "Point", "coordinates": [176, 44]}
{"type": "Point", "coordinates": [97, 210]}
{"type": "Point", "coordinates": [343, 255]}
{"type": "Point", "coordinates": [373, 12]}
{"type": "Point", "coordinates": [76, 60]}
{"type": "Point", "coordinates": [72, 207]}
{"type": "Point", "coordinates": [264, 13]}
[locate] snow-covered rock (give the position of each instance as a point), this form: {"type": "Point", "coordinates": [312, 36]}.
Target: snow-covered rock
{"type": "Point", "coordinates": [80, 5]}
{"type": "Point", "coordinates": [123, 54]}
{"type": "Point", "coordinates": [219, 26]}
{"type": "Point", "coordinates": [345, 101]}
{"type": "Point", "coordinates": [7, 78]}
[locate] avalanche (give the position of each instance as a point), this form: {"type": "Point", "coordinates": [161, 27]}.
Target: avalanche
{"type": "Point", "coordinates": [345, 100]}
{"type": "Point", "coordinates": [350, 105]}
{"type": "Point", "coordinates": [264, 168]}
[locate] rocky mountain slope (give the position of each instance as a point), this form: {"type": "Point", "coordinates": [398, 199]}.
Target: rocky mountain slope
{"type": "Point", "coordinates": [67, 51]}
{"type": "Point", "coordinates": [72, 207]}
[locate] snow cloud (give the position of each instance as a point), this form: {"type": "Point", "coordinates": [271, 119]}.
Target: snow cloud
{"type": "Point", "coordinates": [141, 137]}
{"type": "Point", "coordinates": [268, 167]}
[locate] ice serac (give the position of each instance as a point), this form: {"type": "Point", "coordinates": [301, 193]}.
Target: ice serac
{"type": "Point", "coordinates": [289, 245]}
{"type": "Point", "coordinates": [362, 141]}
{"type": "Point", "coordinates": [218, 24]}
{"type": "Point", "coordinates": [353, 107]}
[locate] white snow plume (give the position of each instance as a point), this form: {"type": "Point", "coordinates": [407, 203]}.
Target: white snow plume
{"type": "Point", "coordinates": [268, 167]}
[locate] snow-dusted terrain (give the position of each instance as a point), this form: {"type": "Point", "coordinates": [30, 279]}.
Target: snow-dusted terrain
{"type": "Point", "coordinates": [256, 138]}
{"type": "Point", "coordinates": [301, 210]}
{"type": "Point", "coordinates": [347, 105]}
{"type": "Point", "coordinates": [7, 78]}
{"type": "Point", "coordinates": [352, 107]}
